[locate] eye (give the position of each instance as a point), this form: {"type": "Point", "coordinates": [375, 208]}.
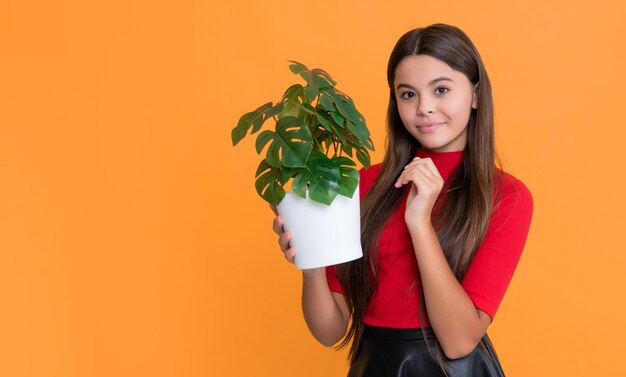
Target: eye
{"type": "Point", "coordinates": [407, 95]}
{"type": "Point", "coordinates": [441, 90]}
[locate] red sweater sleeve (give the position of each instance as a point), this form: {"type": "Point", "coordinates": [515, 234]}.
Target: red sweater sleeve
{"type": "Point", "coordinates": [367, 179]}
{"type": "Point", "coordinates": [491, 270]}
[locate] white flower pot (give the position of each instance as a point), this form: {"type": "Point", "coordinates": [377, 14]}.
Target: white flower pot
{"type": "Point", "coordinates": [323, 235]}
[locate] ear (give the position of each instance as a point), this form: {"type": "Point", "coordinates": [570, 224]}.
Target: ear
{"type": "Point", "coordinates": [475, 99]}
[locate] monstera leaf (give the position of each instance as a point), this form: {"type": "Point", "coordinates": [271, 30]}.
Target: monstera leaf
{"type": "Point", "coordinates": [321, 176]}
{"type": "Point", "coordinates": [291, 143]}
{"type": "Point", "coordinates": [269, 183]}
{"type": "Point", "coordinates": [315, 78]}
{"type": "Point", "coordinates": [349, 179]}
{"type": "Point", "coordinates": [293, 100]}
{"type": "Point", "coordinates": [334, 101]}
{"type": "Point", "coordinates": [254, 119]}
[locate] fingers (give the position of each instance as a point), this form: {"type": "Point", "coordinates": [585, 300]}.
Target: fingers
{"type": "Point", "coordinates": [290, 255]}
{"type": "Point", "coordinates": [277, 225]}
{"type": "Point", "coordinates": [283, 240]}
{"type": "Point", "coordinates": [284, 237]}
{"type": "Point", "coordinates": [416, 174]}
{"type": "Point", "coordinates": [285, 247]}
{"type": "Point", "coordinates": [420, 170]}
{"type": "Point", "coordinates": [430, 165]}
{"type": "Point", "coordinates": [424, 162]}
{"type": "Point", "coordinates": [427, 172]}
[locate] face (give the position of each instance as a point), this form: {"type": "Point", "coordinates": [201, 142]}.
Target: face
{"type": "Point", "coordinates": [434, 102]}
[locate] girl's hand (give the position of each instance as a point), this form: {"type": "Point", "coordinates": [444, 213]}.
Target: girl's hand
{"type": "Point", "coordinates": [425, 188]}
{"type": "Point", "coordinates": [283, 236]}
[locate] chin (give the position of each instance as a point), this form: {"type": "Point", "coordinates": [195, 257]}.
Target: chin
{"type": "Point", "coordinates": [431, 146]}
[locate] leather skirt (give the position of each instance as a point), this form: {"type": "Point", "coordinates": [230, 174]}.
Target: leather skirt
{"type": "Point", "coordinates": [404, 352]}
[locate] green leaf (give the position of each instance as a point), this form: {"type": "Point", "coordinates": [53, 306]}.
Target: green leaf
{"type": "Point", "coordinates": [359, 131]}
{"type": "Point", "coordinates": [315, 78]}
{"type": "Point", "coordinates": [311, 93]}
{"type": "Point", "coordinates": [306, 74]}
{"type": "Point", "coordinates": [324, 75]}
{"type": "Point", "coordinates": [253, 119]}
{"type": "Point", "coordinates": [292, 108]}
{"type": "Point", "coordinates": [263, 166]}
{"type": "Point", "coordinates": [329, 125]}
{"type": "Point", "coordinates": [270, 113]}
{"type": "Point", "coordinates": [269, 183]}
{"type": "Point", "coordinates": [293, 99]}
{"type": "Point", "coordinates": [349, 179]}
{"type": "Point", "coordinates": [263, 138]}
{"type": "Point", "coordinates": [341, 106]}
{"type": "Point", "coordinates": [345, 162]}
{"type": "Point", "coordinates": [327, 103]}
{"type": "Point", "coordinates": [288, 173]}
{"type": "Point", "coordinates": [369, 144]}
{"type": "Point", "coordinates": [291, 144]}
{"type": "Point", "coordinates": [354, 142]}
{"type": "Point", "coordinates": [345, 106]}
{"type": "Point", "coordinates": [363, 156]}
{"type": "Point", "coordinates": [292, 92]}
{"type": "Point", "coordinates": [337, 117]}
{"type": "Point", "coordinates": [321, 176]}
{"type": "Point", "coordinates": [320, 82]}
{"type": "Point", "coordinates": [347, 149]}
{"type": "Point", "coordinates": [296, 67]}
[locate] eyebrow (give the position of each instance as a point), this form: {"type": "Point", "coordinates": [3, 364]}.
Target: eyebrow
{"type": "Point", "coordinates": [431, 83]}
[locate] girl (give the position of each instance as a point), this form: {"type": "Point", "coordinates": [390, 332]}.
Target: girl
{"type": "Point", "coordinates": [442, 227]}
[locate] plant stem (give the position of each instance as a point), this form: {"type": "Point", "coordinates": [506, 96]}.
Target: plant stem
{"type": "Point", "coordinates": [318, 144]}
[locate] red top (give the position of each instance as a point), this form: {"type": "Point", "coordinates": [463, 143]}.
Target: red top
{"type": "Point", "coordinates": [396, 301]}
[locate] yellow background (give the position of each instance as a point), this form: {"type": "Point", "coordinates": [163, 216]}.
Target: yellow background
{"type": "Point", "coordinates": [132, 241]}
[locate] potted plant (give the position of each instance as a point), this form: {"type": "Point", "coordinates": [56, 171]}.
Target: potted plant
{"type": "Point", "coordinates": [317, 133]}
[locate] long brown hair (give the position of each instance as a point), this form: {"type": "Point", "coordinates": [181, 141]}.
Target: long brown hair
{"type": "Point", "coordinates": [462, 220]}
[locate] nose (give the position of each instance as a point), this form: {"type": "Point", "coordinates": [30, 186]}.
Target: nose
{"type": "Point", "coordinates": [425, 106]}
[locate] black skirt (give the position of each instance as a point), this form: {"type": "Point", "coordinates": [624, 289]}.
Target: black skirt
{"type": "Point", "coordinates": [404, 352]}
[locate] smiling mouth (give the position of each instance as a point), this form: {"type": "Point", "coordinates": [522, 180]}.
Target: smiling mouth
{"type": "Point", "coordinates": [429, 127]}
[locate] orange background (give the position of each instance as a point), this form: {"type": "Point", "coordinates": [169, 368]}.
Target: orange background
{"type": "Point", "coordinates": [132, 241]}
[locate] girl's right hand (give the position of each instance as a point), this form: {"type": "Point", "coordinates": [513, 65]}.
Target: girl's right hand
{"type": "Point", "coordinates": [284, 237]}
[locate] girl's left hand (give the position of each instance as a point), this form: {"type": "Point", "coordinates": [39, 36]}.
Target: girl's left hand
{"type": "Point", "coordinates": [426, 186]}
